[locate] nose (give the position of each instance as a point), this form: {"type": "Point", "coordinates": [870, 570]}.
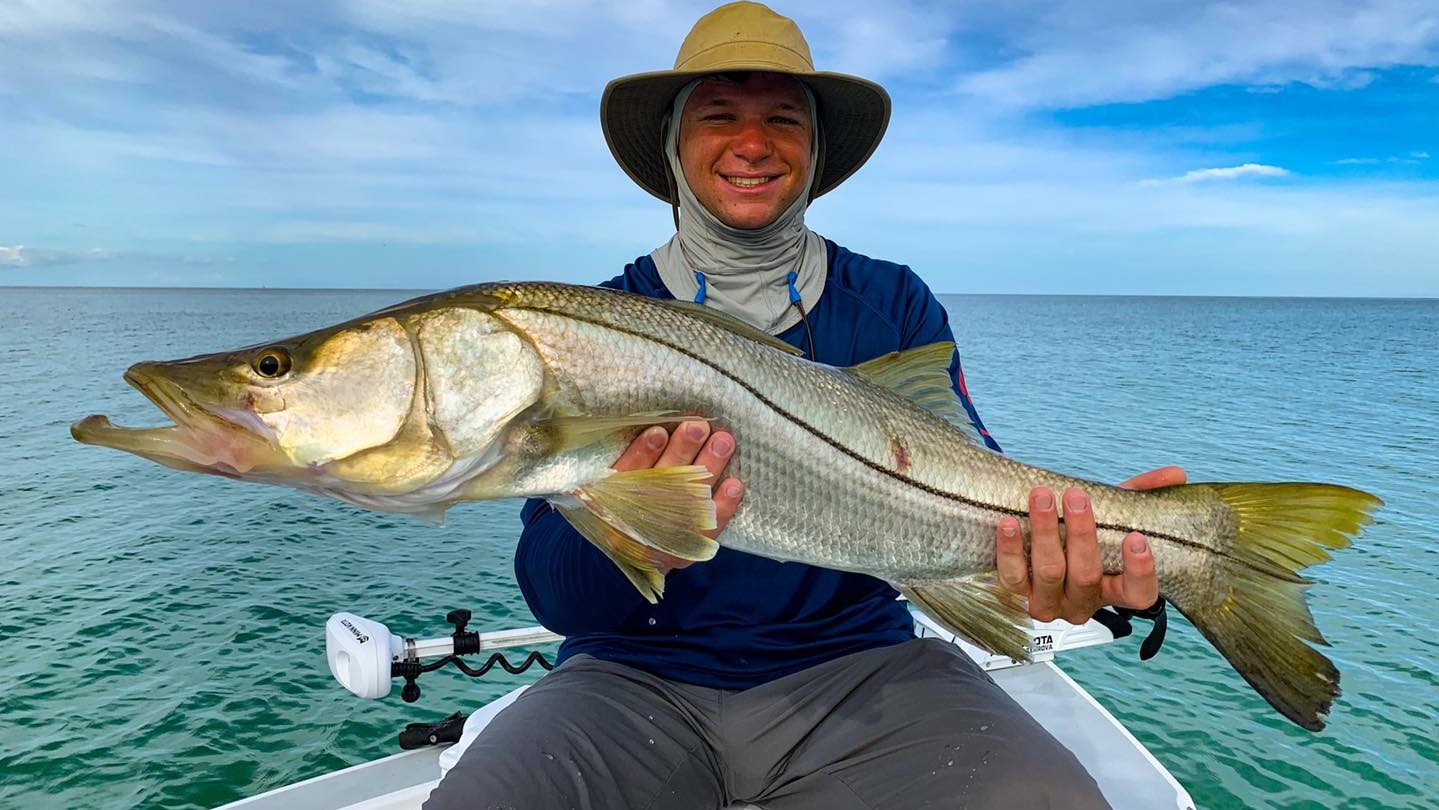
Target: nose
{"type": "Point", "coordinates": [752, 142]}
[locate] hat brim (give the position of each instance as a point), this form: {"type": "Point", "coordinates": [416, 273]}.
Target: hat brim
{"type": "Point", "coordinates": [853, 115]}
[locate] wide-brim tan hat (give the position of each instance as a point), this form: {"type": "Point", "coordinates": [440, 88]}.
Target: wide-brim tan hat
{"type": "Point", "coordinates": [853, 112]}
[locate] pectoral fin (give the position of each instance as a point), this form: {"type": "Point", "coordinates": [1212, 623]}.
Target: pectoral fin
{"type": "Point", "coordinates": [571, 432]}
{"type": "Point", "coordinates": [977, 608]}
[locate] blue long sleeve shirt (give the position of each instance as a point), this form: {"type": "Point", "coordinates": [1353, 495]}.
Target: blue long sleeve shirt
{"type": "Point", "coordinates": [740, 620]}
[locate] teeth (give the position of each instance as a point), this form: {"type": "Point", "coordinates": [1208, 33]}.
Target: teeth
{"type": "Point", "coordinates": [747, 182]}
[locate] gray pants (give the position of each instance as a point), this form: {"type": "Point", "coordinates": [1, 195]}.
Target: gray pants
{"type": "Point", "coordinates": [909, 726]}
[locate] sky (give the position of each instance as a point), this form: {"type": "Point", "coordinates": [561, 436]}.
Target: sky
{"type": "Point", "coordinates": [1269, 147]}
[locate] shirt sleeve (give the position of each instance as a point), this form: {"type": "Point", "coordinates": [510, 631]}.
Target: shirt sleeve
{"type": "Point", "coordinates": [571, 587]}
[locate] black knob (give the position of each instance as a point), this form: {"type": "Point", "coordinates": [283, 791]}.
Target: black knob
{"type": "Point", "coordinates": [459, 618]}
{"type": "Point", "coordinates": [411, 692]}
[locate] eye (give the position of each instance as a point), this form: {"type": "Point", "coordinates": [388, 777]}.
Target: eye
{"type": "Point", "coordinates": [271, 363]}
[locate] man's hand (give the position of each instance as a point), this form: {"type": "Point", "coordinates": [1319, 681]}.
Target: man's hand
{"type": "Point", "coordinates": [1068, 580]}
{"type": "Point", "coordinates": [691, 443]}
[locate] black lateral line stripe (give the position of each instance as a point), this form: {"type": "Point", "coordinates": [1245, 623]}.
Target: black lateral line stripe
{"type": "Point", "coordinates": [817, 433]}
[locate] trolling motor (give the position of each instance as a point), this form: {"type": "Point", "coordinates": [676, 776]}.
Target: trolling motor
{"type": "Point", "coordinates": [365, 657]}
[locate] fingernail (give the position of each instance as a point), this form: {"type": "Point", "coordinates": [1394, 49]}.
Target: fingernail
{"type": "Point", "coordinates": [1137, 544]}
{"type": "Point", "coordinates": [1044, 500]}
{"type": "Point", "coordinates": [656, 437]}
{"type": "Point", "coordinates": [732, 488]}
{"type": "Point", "coordinates": [722, 446]}
{"type": "Point", "coordinates": [1076, 502]}
{"type": "Point", "coordinates": [695, 431]}
{"type": "Point", "coordinates": [1008, 529]}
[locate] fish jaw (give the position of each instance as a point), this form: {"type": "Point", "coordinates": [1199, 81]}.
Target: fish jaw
{"type": "Point", "coordinates": [200, 440]}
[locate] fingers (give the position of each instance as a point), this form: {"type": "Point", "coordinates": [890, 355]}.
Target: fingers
{"type": "Point", "coordinates": [715, 453]}
{"type": "Point", "coordinates": [1138, 586]}
{"type": "Point", "coordinates": [1067, 576]}
{"type": "Point", "coordinates": [684, 444]}
{"type": "Point", "coordinates": [644, 451]}
{"type": "Point", "coordinates": [1154, 479]}
{"type": "Point", "coordinates": [727, 497]}
{"type": "Point", "coordinates": [655, 447]}
{"type": "Point", "coordinates": [713, 456]}
{"type": "Point", "coordinates": [1083, 571]}
{"type": "Point", "coordinates": [1046, 555]}
{"type": "Point", "coordinates": [1009, 557]}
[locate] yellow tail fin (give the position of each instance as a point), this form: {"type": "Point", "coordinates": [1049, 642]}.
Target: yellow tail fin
{"type": "Point", "coordinates": [1261, 623]}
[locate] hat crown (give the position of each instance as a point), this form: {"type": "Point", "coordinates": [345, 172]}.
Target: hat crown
{"type": "Point", "coordinates": [745, 36]}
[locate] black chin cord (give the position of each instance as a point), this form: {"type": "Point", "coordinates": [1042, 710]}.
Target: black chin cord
{"type": "Point", "coordinates": [808, 333]}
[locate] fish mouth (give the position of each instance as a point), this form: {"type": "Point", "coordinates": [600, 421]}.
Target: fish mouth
{"type": "Point", "coordinates": [200, 440]}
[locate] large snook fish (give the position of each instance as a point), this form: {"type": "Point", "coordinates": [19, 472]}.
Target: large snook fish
{"type": "Point", "coordinates": [515, 390]}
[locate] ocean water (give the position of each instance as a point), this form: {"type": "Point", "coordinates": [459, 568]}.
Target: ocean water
{"type": "Point", "coordinates": [162, 633]}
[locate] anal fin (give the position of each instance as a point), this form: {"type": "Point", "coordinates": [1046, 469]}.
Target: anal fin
{"type": "Point", "coordinates": [975, 607]}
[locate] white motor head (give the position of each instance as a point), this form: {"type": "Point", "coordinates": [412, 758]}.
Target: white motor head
{"type": "Point", "coordinates": [360, 652]}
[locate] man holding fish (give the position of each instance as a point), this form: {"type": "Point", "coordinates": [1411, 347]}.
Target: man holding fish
{"type": "Point", "coordinates": [782, 684]}
{"type": "Point", "coordinates": [781, 670]}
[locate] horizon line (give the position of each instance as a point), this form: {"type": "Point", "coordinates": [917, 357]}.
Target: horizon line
{"type": "Point", "coordinates": [426, 291]}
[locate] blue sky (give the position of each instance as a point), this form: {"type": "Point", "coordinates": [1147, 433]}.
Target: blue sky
{"type": "Point", "coordinates": [1257, 148]}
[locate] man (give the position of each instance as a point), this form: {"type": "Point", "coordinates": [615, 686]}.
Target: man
{"type": "Point", "coordinates": [780, 684]}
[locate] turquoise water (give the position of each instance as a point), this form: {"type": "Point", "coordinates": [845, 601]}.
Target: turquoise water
{"type": "Point", "coordinates": [162, 632]}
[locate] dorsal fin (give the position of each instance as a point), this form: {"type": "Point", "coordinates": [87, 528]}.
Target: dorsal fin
{"type": "Point", "coordinates": [920, 375]}
{"type": "Point", "coordinates": [730, 323]}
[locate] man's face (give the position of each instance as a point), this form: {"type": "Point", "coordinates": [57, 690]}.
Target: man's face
{"type": "Point", "coordinates": [745, 148]}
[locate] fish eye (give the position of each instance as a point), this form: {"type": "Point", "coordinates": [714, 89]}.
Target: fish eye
{"type": "Point", "coordinates": [271, 363]}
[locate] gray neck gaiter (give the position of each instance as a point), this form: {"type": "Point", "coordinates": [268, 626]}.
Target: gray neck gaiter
{"type": "Point", "coordinates": [746, 272]}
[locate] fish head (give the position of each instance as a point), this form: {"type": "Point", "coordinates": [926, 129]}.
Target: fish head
{"type": "Point", "coordinates": [393, 411]}
{"type": "Point", "coordinates": [280, 410]}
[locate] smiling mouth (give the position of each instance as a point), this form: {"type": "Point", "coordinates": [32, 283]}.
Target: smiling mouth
{"type": "Point", "coordinates": [749, 182]}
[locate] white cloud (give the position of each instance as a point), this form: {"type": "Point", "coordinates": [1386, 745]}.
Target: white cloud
{"type": "Point", "coordinates": [1234, 172]}
{"type": "Point", "coordinates": [55, 17]}
{"type": "Point", "coordinates": [1411, 159]}
{"type": "Point", "coordinates": [22, 256]}
{"type": "Point", "coordinates": [1224, 173]}
{"type": "Point", "coordinates": [1070, 54]}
